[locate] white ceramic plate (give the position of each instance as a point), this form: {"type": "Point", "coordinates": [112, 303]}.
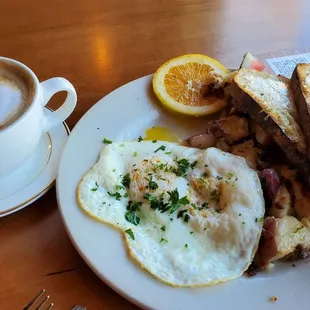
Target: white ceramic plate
{"type": "Point", "coordinates": [125, 114]}
{"type": "Point", "coordinates": [37, 175]}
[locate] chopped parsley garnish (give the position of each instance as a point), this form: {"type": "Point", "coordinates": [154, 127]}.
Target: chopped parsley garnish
{"type": "Point", "coordinates": [171, 219]}
{"type": "Point", "coordinates": [181, 213]}
{"type": "Point", "coordinates": [135, 154]}
{"type": "Point", "coordinates": [130, 233]}
{"type": "Point", "coordinates": [191, 232]}
{"type": "Point", "coordinates": [243, 223]}
{"type": "Point", "coordinates": [186, 218]}
{"type": "Point", "coordinates": [205, 175]}
{"type": "Point", "coordinates": [206, 165]}
{"type": "Point", "coordinates": [140, 139]}
{"type": "Point", "coordinates": [104, 203]}
{"type": "Point", "coordinates": [215, 195]}
{"type": "Point", "coordinates": [156, 203]}
{"type": "Point", "coordinates": [182, 167]}
{"type": "Point", "coordinates": [126, 180]}
{"type": "Point", "coordinates": [175, 202]}
{"type": "Point", "coordinates": [113, 170]}
{"type": "Point", "coordinates": [186, 246]}
{"type": "Point", "coordinates": [116, 195]}
{"type": "Point", "coordinates": [122, 145]}
{"type": "Point", "coordinates": [163, 228]}
{"type": "Point", "coordinates": [95, 188]}
{"type": "Point", "coordinates": [125, 195]}
{"type": "Point", "coordinates": [205, 205]}
{"type": "Point", "coordinates": [230, 175]}
{"type": "Point", "coordinates": [218, 210]}
{"type": "Point", "coordinates": [168, 153]}
{"type": "Point", "coordinates": [193, 205]}
{"type": "Point", "coordinates": [106, 141]}
{"type": "Point", "coordinates": [131, 215]}
{"type": "Point", "coordinates": [152, 184]}
{"type": "Point", "coordinates": [219, 177]}
{"type": "Point", "coordinates": [154, 141]}
{"type": "Point", "coordinates": [161, 148]}
{"type": "Point", "coordinates": [119, 187]}
{"type": "Point", "coordinates": [194, 164]}
{"type": "Point", "coordinates": [163, 240]}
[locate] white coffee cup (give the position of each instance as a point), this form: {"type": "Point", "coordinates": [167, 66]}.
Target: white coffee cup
{"type": "Point", "coordinates": [19, 139]}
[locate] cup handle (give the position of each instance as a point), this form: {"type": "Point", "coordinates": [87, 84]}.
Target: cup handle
{"type": "Point", "coordinates": [49, 88]}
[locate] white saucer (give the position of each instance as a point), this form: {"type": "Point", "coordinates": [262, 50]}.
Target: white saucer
{"type": "Point", "coordinates": [37, 175]}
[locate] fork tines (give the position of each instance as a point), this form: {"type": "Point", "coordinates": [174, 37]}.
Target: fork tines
{"type": "Point", "coordinates": [40, 305]}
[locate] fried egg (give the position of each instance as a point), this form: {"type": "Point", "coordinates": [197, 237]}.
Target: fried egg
{"type": "Point", "coordinates": [190, 217]}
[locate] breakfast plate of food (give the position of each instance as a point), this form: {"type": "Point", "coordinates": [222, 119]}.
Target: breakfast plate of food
{"type": "Point", "coordinates": [189, 188]}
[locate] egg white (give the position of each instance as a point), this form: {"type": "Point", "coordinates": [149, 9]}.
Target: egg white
{"type": "Point", "coordinates": [214, 244]}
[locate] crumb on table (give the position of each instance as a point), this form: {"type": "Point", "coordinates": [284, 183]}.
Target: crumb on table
{"type": "Point", "coordinates": [273, 299]}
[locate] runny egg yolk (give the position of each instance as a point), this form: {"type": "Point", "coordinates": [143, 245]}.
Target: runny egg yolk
{"type": "Point", "coordinates": [161, 134]}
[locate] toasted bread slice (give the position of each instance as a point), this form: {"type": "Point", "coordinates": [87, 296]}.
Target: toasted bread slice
{"type": "Point", "coordinates": [300, 84]}
{"type": "Point", "coordinates": [269, 101]}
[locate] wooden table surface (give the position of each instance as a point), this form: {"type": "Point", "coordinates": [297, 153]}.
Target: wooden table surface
{"type": "Point", "coordinates": [99, 45]}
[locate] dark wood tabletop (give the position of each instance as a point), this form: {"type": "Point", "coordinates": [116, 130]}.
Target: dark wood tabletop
{"type": "Point", "coordinates": [100, 45]}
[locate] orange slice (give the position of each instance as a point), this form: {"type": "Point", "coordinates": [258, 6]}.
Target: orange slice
{"type": "Point", "coordinates": [182, 84]}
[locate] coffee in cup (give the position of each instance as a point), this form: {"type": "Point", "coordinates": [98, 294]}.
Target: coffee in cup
{"type": "Point", "coordinates": [22, 118]}
{"type": "Point", "coordinates": [16, 93]}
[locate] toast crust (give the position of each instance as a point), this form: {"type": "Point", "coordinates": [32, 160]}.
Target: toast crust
{"type": "Point", "coordinates": [301, 91]}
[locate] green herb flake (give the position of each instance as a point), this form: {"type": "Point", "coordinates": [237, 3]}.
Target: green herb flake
{"type": "Point", "coordinates": [191, 232]}
{"type": "Point", "coordinates": [119, 187]}
{"type": "Point", "coordinates": [186, 218]}
{"type": "Point", "coordinates": [125, 195]}
{"type": "Point", "coordinates": [205, 205]}
{"type": "Point", "coordinates": [182, 167]}
{"type": "Point", "coordinates": [106, 141]}
{"type": "Point", "coordinates": [116, 195]}
{"type": "Point", "coordinates": [161, 148]}
{"type": "Point", "coordinates": [152, 184]}
{"type": "Point", "coordinates": [194, 206]}
{"type": "Point", "coordinates": [163, 240]}
{"type": "Point", "coordinates": [181, 213]}
{"type": "Point", "coordinates": [168, 153]}
{"type": "Point", "coordinates": [206, 165]}
{"type": "Point", "coordinates": [194, 164]}
{"type": "Point", "coordinates": [113, 170]}
{"type": "Point", "coordinates": [154, 141]}
{"type": "Point", "coordinates": [186, 246]}
{"type": "Point", "coordinates": [126, 180]}
{"type": "Point", "coordinates": [163, 228]}
{"type": "Point", "coordinates": [135, 154]}
{"type": "Point", "coordinates": [122, 145]}
{"type": "Point", "coordinates": [230, 175]}
{"type": "Point", "coordinates": [171, 219]}
{"type": "Point", "coordinates": [95, 188]}
{"type": "Point", "coordinates": [219, 177]}
{"type": "Point", "coordinates": [104, 203]}
{"type": "Point", "coordinates": [130, 233]}
{"type": "Point", "coordinates": [140, 139]}
{"type": "Point", "coordinates": [131, 215]}
{"type": "Point", "coordinates": [205, 175]}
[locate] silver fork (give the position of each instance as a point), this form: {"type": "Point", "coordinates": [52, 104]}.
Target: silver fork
{"type": "Point", "coordinates": [41, 304]}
